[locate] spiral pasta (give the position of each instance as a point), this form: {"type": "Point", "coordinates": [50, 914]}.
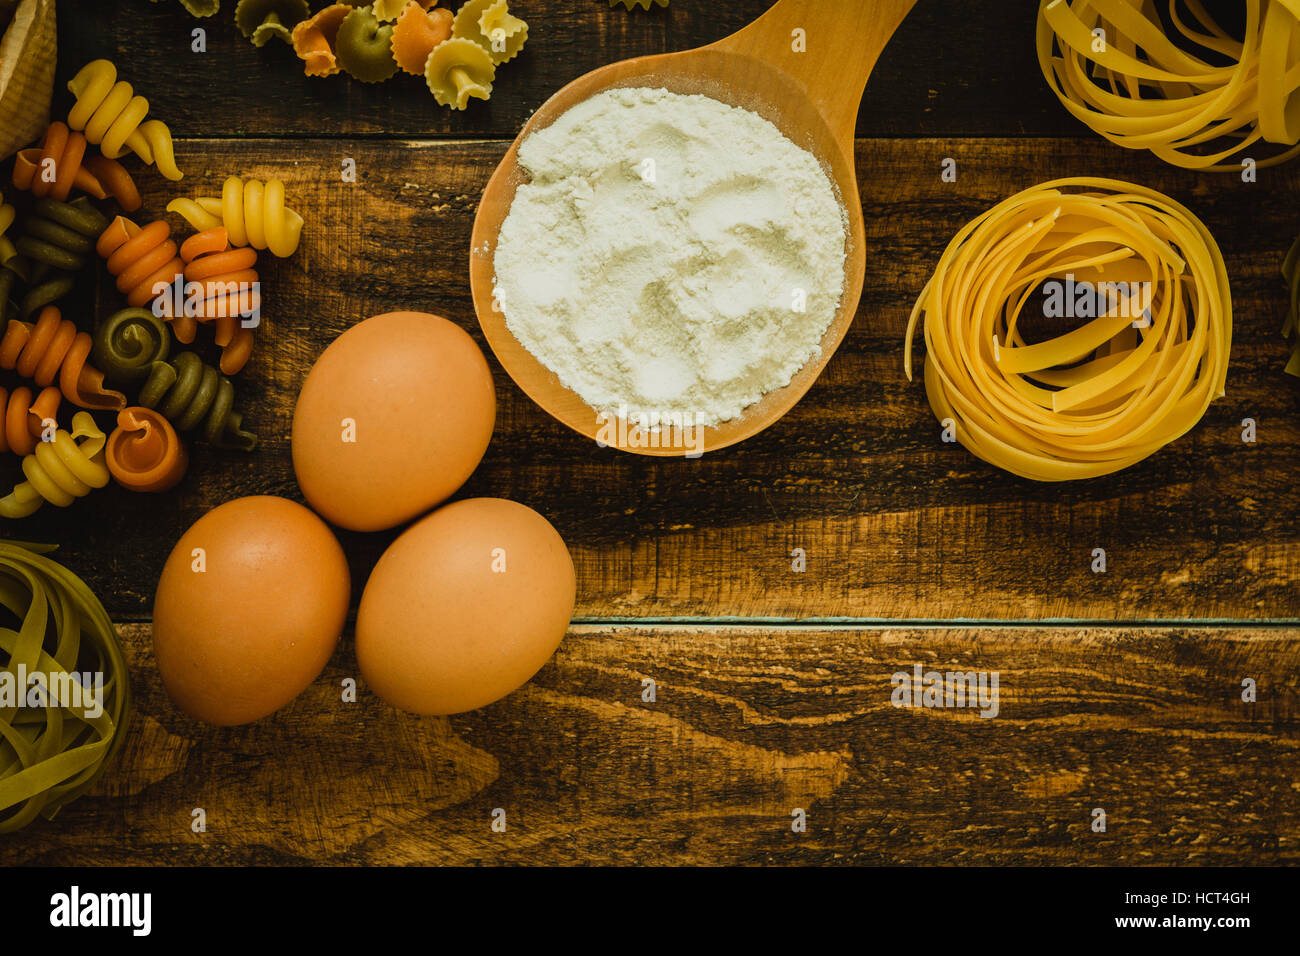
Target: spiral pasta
{"type": "Point", "coordinates": [457, 70]}
{"type": "Point", "coordinates": [1112, 391]}
{"type": "Point", "coordinates": [53, 752]}
{"type": "Point", "coordinates": [253, 213]}
{"type": "Point", "coordinates": [7, 216]}
{"type": "Point", "coordinates": [25, 420]}
{"type": "Point", "coordinates": [60, 235]}
{"type": "Point", "coordinates": [1112, 64]}
{"type": "Point", "coordinates": [59, 472]}
{"type": "Point", "coordinates": [230, 292]}
{"type": "Point", "coordinates": [415, 35]}
{"type": "Point", "coordinates": [144, 453]}
{"type": "Point", "coordinates": [262, 20]}
{"type": "Point", "coordinates": [53, 347]}
{"type": "Point", "coordinates": [192, 394]}
{"type": "Point", "coordinates": [141, 260]}
{"type": "Point", "coordinates": [114, 118]}
{"type": "Point", "coordinates": [490, 24]}
{"type": "Point", "coordinates": [63, 153]}
{"type": "Point", "coordinates": [127, 343]}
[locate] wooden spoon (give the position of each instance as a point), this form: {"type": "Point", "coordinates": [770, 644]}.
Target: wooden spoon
{"type": "Point", "coordinates": [803, 65]}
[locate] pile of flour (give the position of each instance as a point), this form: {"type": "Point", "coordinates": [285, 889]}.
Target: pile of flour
{"type": "Point", "coordinates": [672, 255]}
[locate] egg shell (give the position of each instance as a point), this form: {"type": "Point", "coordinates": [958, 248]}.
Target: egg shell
{"type": "Point", "coordinates": [245, 635]}
{"type": "Point", "coordinates": [464, 607]}
{"type": "Point", "coordinates": [420, 398]}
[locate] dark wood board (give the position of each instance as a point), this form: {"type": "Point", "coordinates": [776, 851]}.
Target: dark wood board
{"type": "Point", "coordinates": [947, 70]}
{"type": "Point", "coordinates": [747, 726]}
{"type": "Point", "coordinates": [1122, 692]}
{"type": "Point", "coordinates": [896, 524]}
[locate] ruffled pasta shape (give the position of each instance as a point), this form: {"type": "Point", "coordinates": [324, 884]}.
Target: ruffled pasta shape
{"type": "Point", "coordinates": [364, 47]}
{"type": "Point", "coordinates": [201, 8]}
{"type": "Point", "coordinates": [389, 10]}
{"type": "Point", "coordinates": [59, 472]}
{"type": "Point", "coordinates": [114, 118]}
{"type": "Point", "coordinates": [127, 343]}
{"type": "Point", "coordinates": [194, 395]}
{"type": "Point", "coordinates": [1142, 88]}
{"type": "Point", "coordinates": [140, 259]}
{"type": "Point", "coordinates": [262, 20]}
{"type": "Point", "coordinates": [1137, 374]}
{"type": "Point", "coordinates": [415, 35]}
{"type": "Point", "coordinates": [144, 453]}
{"type": "Point", "coordinates": [51, 348]}
{"type": "Point", "coordinates": [314, 40]}
{"type": "Point", "coordinates": [51, 755]}
{"type": "Point", "coordinates": [230, 292]}
{"type": "Point", "coordinates": [60, 164]}
{"type": "Point", "coordinates": [457, 70]}
{"type": "Point", "coordinates": [25, 418]}
{"type": "Point", "coordinates": [490, 24]}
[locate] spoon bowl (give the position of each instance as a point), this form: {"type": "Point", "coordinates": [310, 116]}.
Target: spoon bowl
{"type": "Point", "coordinates": [802, 66]}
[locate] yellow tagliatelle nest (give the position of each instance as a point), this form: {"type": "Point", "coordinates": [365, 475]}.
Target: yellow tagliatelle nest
{"type": "Point", "coordinates": [1187, 91]}
{"type": "Point", "coordinates": [1147, 286]}
{"type": "Point", "coordinates": [458, 69]}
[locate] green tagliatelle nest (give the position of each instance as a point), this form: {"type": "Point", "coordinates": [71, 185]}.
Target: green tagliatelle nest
{"type": "Point", "coordinates": [55, 738]}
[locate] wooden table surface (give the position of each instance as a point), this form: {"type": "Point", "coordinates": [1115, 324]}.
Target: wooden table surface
{"type": "Point", "coordinates": [1120, 690]}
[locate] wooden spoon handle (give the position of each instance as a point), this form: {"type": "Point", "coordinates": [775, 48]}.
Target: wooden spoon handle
{"type": "Point", "coordinates": [828, 48]}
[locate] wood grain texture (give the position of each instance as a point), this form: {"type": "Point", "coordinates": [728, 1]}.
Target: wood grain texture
{"type": "Point", "coordinates": [747, 725]}
{"type": "Point", "coordinates": [979, 89]}
{"type": "Point", "coordinates": [895, 523]}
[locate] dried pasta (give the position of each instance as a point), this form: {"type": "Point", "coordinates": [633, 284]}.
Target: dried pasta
{"type": "Point", "coordinates": [1113, 390]}
{"type": "Point", "coordinates": [457, 70]}
{"type": "Point", "coordinates": [253, 213]}
{"type": "Point", "coordinates": [415, 35]}
{"type": "Point", "coordinates": [388, 10]}
{"type": "Point", "coordinates": [194, 395]}
{"type": "Point", "coordinates": [50, 348]}
{"type": "Point", "coordinates": [490, 24]}
{"type": "Point", "coordinates": [60, 235]}
{"type": "Point", "coordinates": [142, 259]}
{"type": "Point", "coordinates": [127, 343]}
{"type": "Point", "coordinates": [262, 20]}
{"type": "Point", "coordinates": [144, 453]}
{"type": "Point", "coordinates": [1143, 88]}
{"type": "Point", "coordinates": [114, 118]}
{"type": "Point", "coordinates": [364, 47]}
{"type": "Point", "coordinates": [230, 292]}
{"type": "Point", "coordinates": [314, 40]}
{"type": "Point", "coordinates": [50, 755]}
{"type": "Point", "coordinates": [63, 153]}
{"type": "Point", "coordinates": [25, 418]}
{"type": "Point", "coordinates": [59, 472]}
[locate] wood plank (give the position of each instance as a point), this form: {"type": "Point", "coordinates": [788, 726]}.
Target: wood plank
{"type": "Point", "coordinates": [747, 725]}
{"type": "Point", "coordinates": [933, 79]}
{"type": "Point", "coordinates": [895, 523]}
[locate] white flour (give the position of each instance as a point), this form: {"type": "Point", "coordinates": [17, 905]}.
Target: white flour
{"type": "Point", "coordinates": [657, 261]}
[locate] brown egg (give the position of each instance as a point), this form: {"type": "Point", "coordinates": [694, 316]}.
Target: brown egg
{"type": "Point", "coordinates": [392, 419]}
{"type": "Point", "coordinates": [249, 608]}
{"type": "Point", "coordinates": [464, 607]}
